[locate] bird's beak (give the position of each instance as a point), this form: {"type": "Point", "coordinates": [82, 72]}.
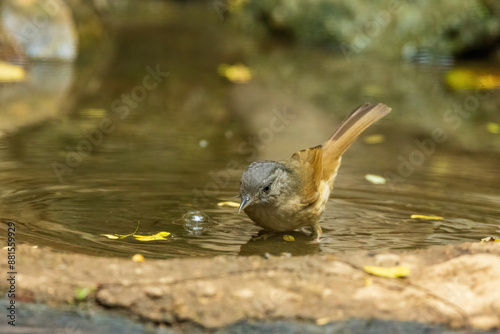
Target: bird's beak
{"type": "Point", "coordinates": [245, 201]}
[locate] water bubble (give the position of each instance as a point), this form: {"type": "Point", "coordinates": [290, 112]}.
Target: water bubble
{"type": "Point", "coordinates": [195, 222]}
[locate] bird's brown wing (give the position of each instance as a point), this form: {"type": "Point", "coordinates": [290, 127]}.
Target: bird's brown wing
{"type": "Point", "coordinates": [312, 170]}
{"type": "Point", "coordinates": [347, 132]}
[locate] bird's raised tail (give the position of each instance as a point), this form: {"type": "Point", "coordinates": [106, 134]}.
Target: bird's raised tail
{"type": "Point", "coordinates": [348, 131]}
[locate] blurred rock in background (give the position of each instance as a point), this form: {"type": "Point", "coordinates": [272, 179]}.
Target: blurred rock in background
{"type": "Point", "coordinates": [45, 29]}
{"type": "Point", "coordinates": [414, 30]}
{"type": "Point", "coordinates": [42, 44]}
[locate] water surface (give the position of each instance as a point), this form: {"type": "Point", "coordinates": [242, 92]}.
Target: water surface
{"type": "Point", "coordinates": [80, 158]}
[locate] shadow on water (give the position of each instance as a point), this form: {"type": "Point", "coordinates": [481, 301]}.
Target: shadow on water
{"type": "Point", "coordinates": [159, 134]}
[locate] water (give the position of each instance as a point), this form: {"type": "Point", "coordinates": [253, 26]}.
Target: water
{"type": "Point", "coordinates": [75, 164]}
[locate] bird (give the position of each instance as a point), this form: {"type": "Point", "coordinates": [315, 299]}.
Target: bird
{"type": "Point", "coordinates": [286, 195]}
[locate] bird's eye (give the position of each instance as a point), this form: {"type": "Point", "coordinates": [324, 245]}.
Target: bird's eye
{"type": "Point", "coordinates": [267, 188]}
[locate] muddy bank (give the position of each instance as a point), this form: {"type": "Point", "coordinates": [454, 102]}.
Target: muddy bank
{"type": "Point", "coordinates": [454, 286]}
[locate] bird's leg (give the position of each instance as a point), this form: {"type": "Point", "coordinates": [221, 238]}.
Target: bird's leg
{"type": "Point", "coordinates": [263, 235]}
{"type": "Point", "coordinates": [316, 231]}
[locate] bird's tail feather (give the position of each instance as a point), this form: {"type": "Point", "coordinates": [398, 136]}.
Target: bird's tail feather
{"type": "Point", "coordinates": [348, 131]}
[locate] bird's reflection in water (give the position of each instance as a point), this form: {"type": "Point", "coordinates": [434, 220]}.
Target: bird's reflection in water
{"type": "Point", "coordinates": [274, 243]}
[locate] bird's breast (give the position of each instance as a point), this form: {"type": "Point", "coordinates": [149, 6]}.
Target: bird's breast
{"type": "Point", "coordinates": [286, 216]}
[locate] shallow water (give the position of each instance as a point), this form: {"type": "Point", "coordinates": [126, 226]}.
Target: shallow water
{"type": "Point", "coordinates": [180, 147]}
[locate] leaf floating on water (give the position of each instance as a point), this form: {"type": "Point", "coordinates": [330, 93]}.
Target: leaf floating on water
{"type": "Point", "coordinates": [463, 78]}
{"type": "Point", "coordinates": [93, 112]}
{"type": "Point", "coordinates": [374, 139]}
{"type": "Point", "coordinates": [375, 179]}
{"type": "Point", "coordinates": [493, 128]}
{"type": "Point", "coordinates": [238, 73]}
{"type": "Point", "coordinates": [391, 272]}
{"type": "Point", "coordinates": [138, 258]}
{"type": "Point", "coordinates": [229, 203]}
{"type": "Point", "coordinates": [426, 217]}
{"type": "Point", "coordinates": [11, 73]}
{"type": "Point", "coordinates": [490, 239]}
{"type": "Point", "coordinates": [373, 90]}
{"type": "Point", "coordinates": [288, 237]}
{"type": "Point", "coordinates": [158, 236]}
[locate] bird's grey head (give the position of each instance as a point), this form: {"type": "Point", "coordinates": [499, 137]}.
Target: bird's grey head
{"type": "Point", "coordinates": [261, 182]}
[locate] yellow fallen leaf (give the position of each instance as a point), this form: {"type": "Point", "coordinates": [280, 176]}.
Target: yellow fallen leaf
{"type": "Point", "coordinates": [373, 90]}
{"type": "Point", "coordinates": [493, 128]}
{"type": "Point", "coordinates": [138, 258]}
{"type": "Point", "coordinates": [374, 139]}
{"type": "Point", "coordinates": [426, 217]}
{"type": "Point", "coordinates": [490, 239]}
{"type": "Point", "coordinates": [235, 73]}
{"type": "Point", "coordinates": [121, 236]}
{"type": "Point", "coordinates": [463, 78]}
{"type": "Point", "coordinates": [229, 203]}
{"type": "Point", "coordinates": [375, 179]}
{"type": "Point", "coordinates": [488, 81]}
{"type": "Point", "coordinates": [11, 73]}
{"type": "Point", "coordinates": [93, 112]}
{"type": "Point", "coordinates": [157, 236]}
{"type": "Point", "coordinates": [288, 237]}
{"type": "Point", "coordinates": [391, 272]}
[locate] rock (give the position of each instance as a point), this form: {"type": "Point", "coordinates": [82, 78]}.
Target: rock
{"type": "Point", "coordinates": [485, 322]}
{"type": "Point", "coordinates": [445, 287]}
{"type": "Point", "coordinates": [45, 29]}
{"type": "Point", "coordinates": [426, 29]}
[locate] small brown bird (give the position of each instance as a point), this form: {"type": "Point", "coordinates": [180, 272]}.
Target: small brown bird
{"type": "Point", "coordinates": [286, 195]}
